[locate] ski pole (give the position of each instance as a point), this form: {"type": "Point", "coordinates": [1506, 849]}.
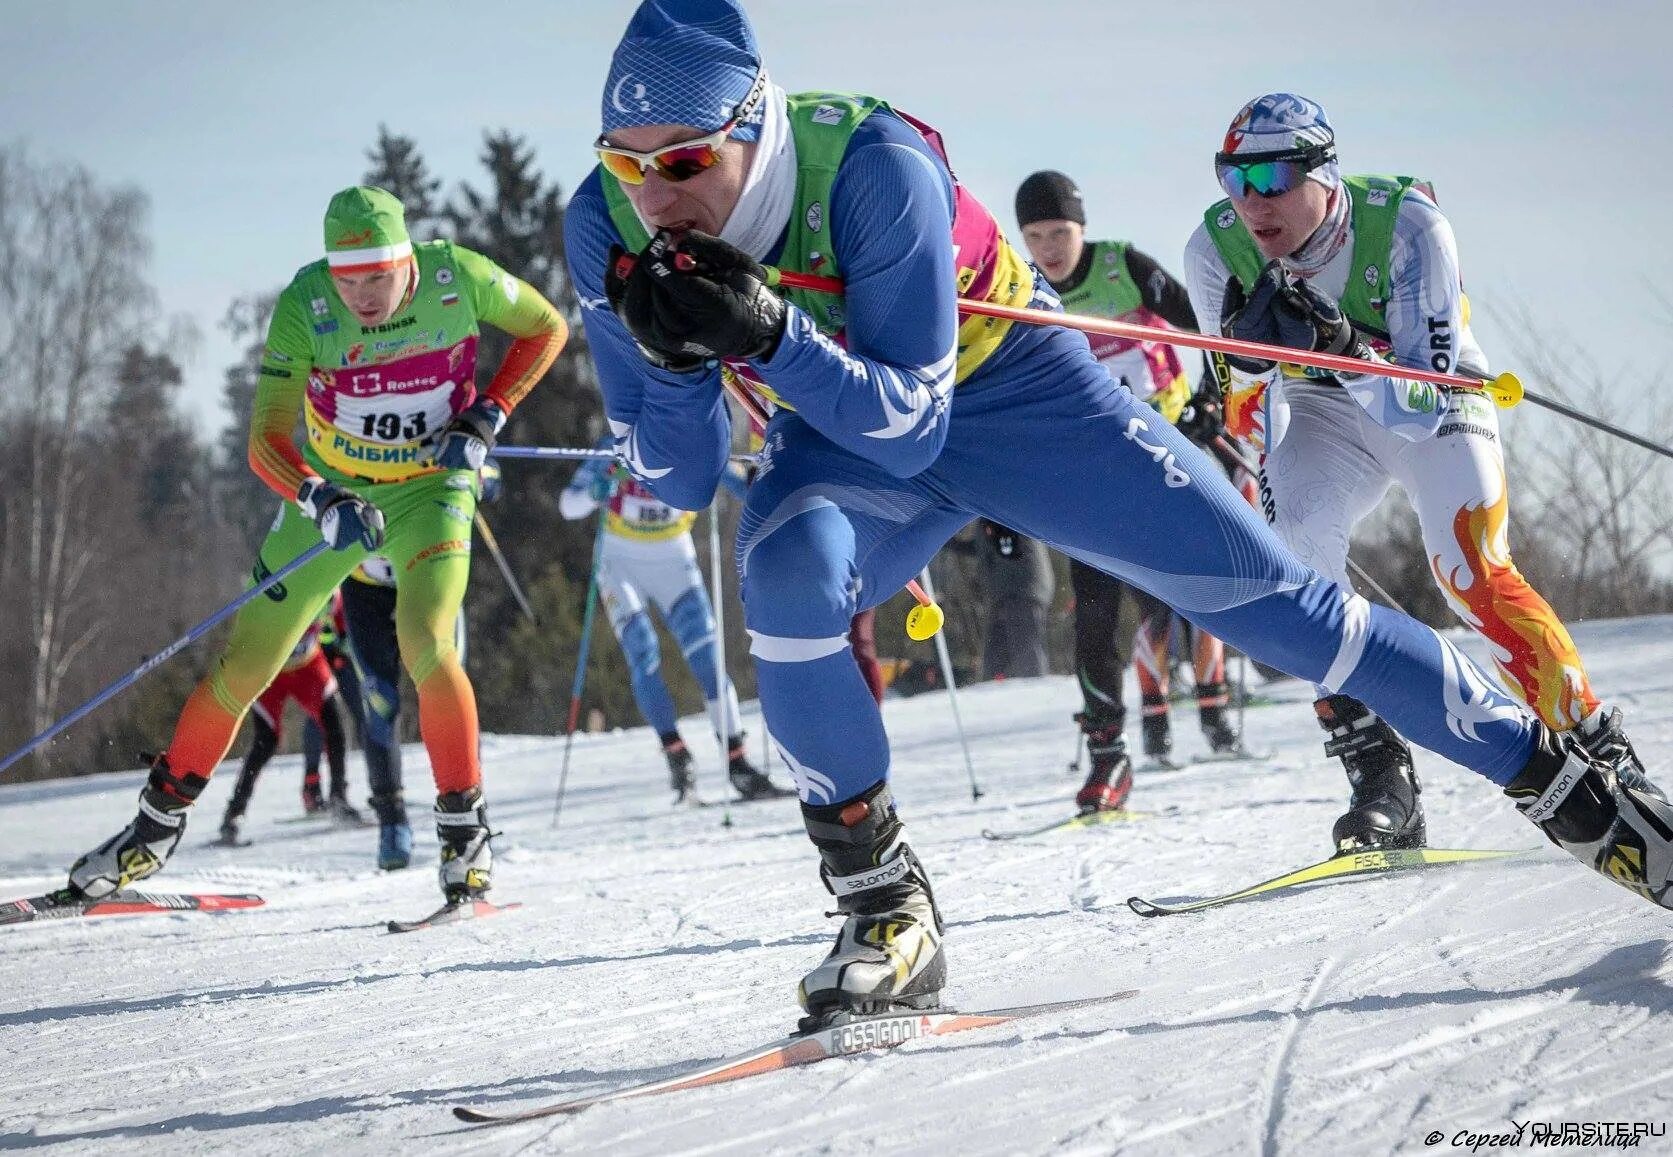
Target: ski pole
{"type": "Point", "coordinates": [721, 697]}
{"type": "Point", "coordinates": [1505, 389]}
{"type": "Point", "coordinates": [1242, 693]}
{"type": "Point", "coordinates": [558, 452]}
{"type": "Point", "coordinates": [505, 567]}
{"type": "Point", "coordinates": [168, 652]}
{"type": "Point", "coordinates": [946, 659]}
{"type": "Point", "coordinates": [1586, 419]}
{"type": "Point", "coordinates": [581, 652]}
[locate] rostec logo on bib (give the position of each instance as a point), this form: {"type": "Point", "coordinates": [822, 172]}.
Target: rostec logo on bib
{"type": "Point", "coordinates": [368, 383]}
{"type": "Point", "coordinates": [381, 413]}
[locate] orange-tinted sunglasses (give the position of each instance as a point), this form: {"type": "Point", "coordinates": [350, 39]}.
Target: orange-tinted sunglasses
{"type": "Point", "coordinates": [685, 159]}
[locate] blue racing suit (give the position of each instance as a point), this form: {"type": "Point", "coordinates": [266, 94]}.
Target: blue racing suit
{"type": "Point", "coordinates": [882, 459]}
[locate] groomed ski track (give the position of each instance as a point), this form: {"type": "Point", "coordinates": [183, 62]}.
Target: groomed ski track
{"type": "Point", "coordinates": [1351, 1018]}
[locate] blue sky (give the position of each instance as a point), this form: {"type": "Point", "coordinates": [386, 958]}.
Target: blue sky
{"type": "Point", "coordinates": [1542, 124]}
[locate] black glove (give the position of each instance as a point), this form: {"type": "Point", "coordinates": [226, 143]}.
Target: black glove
{"type": "Point", "coordinates": [630, 289]}
{"type": "Point", "coordinates": [1253, 317]}
{"type": "Point", "coordinates": [702, 298]}
{"type": "Point", "coordinates": [466, 440]}
{"type": "Point", "coordinates": [345, 519]}
{"type": "Point", "coordinates": [1308, 320]}
{"type": "Point", "coordinates": [1203, 419]}
{"type": "Point", "coordinates": [1003, 537]}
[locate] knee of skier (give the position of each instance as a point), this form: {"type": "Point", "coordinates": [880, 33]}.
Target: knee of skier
{"type": "Point", "coordinates": [380, 704]}
{"type": "Point", "coordinates": [235, 685]}
{"type": "Point", "coordinates": [798, 577]}
{"type": "Point", "coordinates": [425, 648]}
{"type": "Point", "coordinates": [692, 622]}
{"type": "Point", "coordinates": [639, 647]}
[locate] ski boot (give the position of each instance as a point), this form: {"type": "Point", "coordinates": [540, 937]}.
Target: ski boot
{"type": "Point", "coordinates": [313, 801]}
{"type": "Point", "coordinates": [888, 954]}
{"type": "Point", "coordinates": [750, 782]}
{"type": "Point", "coordinates": [1617, 827]}
{"type": "Point", "coordinates": [1603, 735]}
{"type": "Point", "coordinates": [144, 846]}
{"type": "Point", "coordinates": [1223, 738]}
{"type": "Point", "coordinates": [231, 831]}
{"type": "Point", "coordinates": [1110, 782]}
{"type": "Point", "coordinates": [1384, 810]}
{"type": "Point", "coordinates": [680, 776]}
{"type": "Point", "coordinates": [344, 813]}
{"type": "Point", "coordinates": [467, 861]}
{"type": "Point", "coordinates": [394, 832]}
{"type": "Point", "coordinates": [1157, 731]}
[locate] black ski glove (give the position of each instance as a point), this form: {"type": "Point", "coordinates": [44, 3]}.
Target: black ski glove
{"type": "Point", "coordinates": [1253, 317]}
{"type": "Point", "coordinates": [701, 298]}
{"type": "Point", "coordinates": [345, 519]}
{"type": "Point", "coordinates": [631, 291]}
{"type": "Point", "coordinates": [1308, 320]}
{"type": "Point", "coordinates": [1203, 419]}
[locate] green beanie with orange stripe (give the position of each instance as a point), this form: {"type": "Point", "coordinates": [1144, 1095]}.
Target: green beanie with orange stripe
{"type": "Point", "coordinates": [365, 230]}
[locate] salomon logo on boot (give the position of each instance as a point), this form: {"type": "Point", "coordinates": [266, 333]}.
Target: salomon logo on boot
{"type": "Point", "coordinates": [888, 953]}
{"type": "Point", "coordinates": [1605, 815]}
{"type": "Point", "coordinates": [467, 861]}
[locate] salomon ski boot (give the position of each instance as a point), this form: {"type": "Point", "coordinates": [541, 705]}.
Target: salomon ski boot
{"type": "Point", "coordinates": [467, 861]}
{"type": "Point", "coordinates": [144, 846]}
{"type": "Point", "coordinates": [1616, 827]}
{"type": "Point", "coordinates": [888, 954]}
{"type": "Point", "coordinates": [1384, 810]}
{"type": "Point", "coordinates": [1603, 735]}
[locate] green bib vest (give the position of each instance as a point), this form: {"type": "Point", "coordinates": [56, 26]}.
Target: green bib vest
{"type": "Point", "coordinates": [1373, 205]}
{"type": "Point", "coordinates": [1108, 289]}
{"type": "Point", "coordinates": [821, 124]}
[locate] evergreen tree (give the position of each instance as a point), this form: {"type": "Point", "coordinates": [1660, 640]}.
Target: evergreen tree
{"type": "Point", "coordinates": [397, 166]}
{"type": "Point", "coordinates": [517, 220]}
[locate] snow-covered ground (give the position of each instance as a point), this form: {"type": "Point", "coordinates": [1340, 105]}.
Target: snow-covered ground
{"type": "Point", "coordinates": [1354, 1018]}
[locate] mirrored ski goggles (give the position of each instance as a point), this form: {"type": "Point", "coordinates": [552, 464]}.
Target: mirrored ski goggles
{"type": "Point", "coordinates": [685, 159]}
{"type": "Point", "coordinates": [1268, 174]}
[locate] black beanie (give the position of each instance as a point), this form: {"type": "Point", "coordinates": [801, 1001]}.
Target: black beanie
{"type": "Point", "coordinates": [1049, 196]}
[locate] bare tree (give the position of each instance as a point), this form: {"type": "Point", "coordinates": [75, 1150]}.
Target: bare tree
{"type": "Point", "coordinates": [1603, 507]}
{"type": "Point", "coordinates": [73, 298]}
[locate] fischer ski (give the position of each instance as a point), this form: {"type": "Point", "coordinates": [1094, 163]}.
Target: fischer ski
{"type": "Point", "coordinates": [452, 913]}
{"type": "Point", "coordinates": [1339, 866]}
{"type": "Point", "coordinates": [848, 1035]}
{"type": "Point", "coordinates": [1083, 820]}
{"type": "Point", "coordinates": [67, 902]}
